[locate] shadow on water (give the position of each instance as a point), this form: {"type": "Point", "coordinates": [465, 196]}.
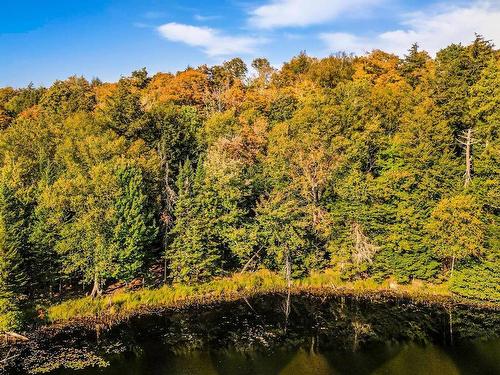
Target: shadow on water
{"type": "Point", "coordinates": [335, 335]}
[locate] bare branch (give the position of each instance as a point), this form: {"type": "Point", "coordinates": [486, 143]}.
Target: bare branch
{"type": "Point", "coordinates": [363, 249]}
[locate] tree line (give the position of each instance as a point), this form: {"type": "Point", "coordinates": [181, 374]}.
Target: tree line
{"type": "Point", "coordinates": [376, 166]}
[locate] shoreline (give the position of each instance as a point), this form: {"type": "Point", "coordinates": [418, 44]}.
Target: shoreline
{"type": "Point", "coordinates": [107, 321]}
{"type": "Point", "coordinates": [76, 343]}
{"type": "Point", "coordinates": [113, 309]}
{"type": "Point", "coordinates": [70, 326]}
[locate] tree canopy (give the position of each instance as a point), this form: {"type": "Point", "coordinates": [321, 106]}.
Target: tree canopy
{"type": "Point", "coordinates": [348, 162]}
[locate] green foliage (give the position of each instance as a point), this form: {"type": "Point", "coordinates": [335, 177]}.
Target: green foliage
{"type": "Point", "coordinates": [281, 234]}
{"type": "Point", "coordinates": [219, 125]}
{"type": "Point", "coordinates": [23, 99]}
{"type": "Point", "coordinates": [330, 71]}
{"type": "Point", "coordinates": [457, 229]}
{"type": "Point", "coordinates": [70, 96]}
{"type": "Point", "coordinates": [92, 202]}
{"type": "Point", "coordinates": [135, 229]}
{"type": "Point", "coordinates": [12, 244]}
{"type": "Point", "coordinates": [457, 69]}
{"type": "Point", "coordinates": [124, 113]}
{"type": "Point", "coordinates": [345, 162]}
{"type": "Point", "coordinates": [413, 67]}
{"type": "Point", "coordinates": [175, 133]}
{"type": "Point", "coordinates": [282, 108]}
{"type": "Point", "coordinates": [484, 103]}
{"type": "Point", "coordinates": [209, 212]}
{"type": "Point", "coordinates": [139, 78]}
{"type": "Point", "coordinates": [478, 280]}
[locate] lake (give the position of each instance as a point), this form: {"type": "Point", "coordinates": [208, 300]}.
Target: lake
{"type": "Point", "coordinates": [329, 335]}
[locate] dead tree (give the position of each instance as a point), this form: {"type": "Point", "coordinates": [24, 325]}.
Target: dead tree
{"type": "Point", "coordinates": [363, 249]}
{"type": "Point", "coordinates": [466, 139]}
{"type": "Point", "coordinates": [288, 275]}
{"type": "Point", "coordinates": [254, 256]}
{"type": "Point", "coordinates": [96, 288]}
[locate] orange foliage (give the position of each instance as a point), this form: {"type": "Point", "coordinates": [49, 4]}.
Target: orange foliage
{"type": "Point", "coordinates": [103, 92]}
{"type": "Point", "coordinates": [31, 112]}
{"type": "Point", "coordinates": [187, 88]}
{"type": "Point", "coordinates": [233, 97]}
{"type": "Point", "coordinates": [379, 67]}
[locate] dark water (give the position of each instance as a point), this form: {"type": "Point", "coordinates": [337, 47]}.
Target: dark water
{"type": "Point", "coordinates": [478, 358]}
{"type": "Point", "coordinates": [320, 336]}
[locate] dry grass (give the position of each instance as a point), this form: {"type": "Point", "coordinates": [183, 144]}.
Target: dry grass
{"type": "Point", "coordinates": [125, 303]}
{"type": "Point", "coordinates": [241, 285]}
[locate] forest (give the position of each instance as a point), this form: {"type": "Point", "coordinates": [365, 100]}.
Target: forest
{"type": "Point", "coordinates": [375, 166]}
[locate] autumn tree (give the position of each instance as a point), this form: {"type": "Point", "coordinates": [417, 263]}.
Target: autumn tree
{"type": "Point", "coordinates": [350, 162]}
{"type": "Point", "coordinates": [70, 96]}
{"type": "Point", "coordinates": [457, 229]}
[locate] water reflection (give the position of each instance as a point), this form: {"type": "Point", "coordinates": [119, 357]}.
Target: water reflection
{"type": "Point", "coordinates": [320, 336]}
{"type": "Point", "coordinates": [407, 359]}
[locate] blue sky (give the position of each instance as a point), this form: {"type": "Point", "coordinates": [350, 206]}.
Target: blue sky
{"type": "Point", "coordinates": [41, 41]}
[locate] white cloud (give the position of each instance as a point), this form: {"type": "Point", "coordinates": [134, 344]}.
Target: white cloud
{"type": "Point", "coordinates": [431, 30]}
{"type": "Point", "coordinates": [290, 13]}
{"type": "Point", "coordinates": [212, 41]}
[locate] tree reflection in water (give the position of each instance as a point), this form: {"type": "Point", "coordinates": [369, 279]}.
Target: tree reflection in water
{"type": "Point", "coordinates": [335, 335]}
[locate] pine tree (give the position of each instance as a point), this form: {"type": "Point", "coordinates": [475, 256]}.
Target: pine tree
{"type": "Point", "coordinates": [458, 68]}
{"type": "Point", "coordinates": [135, 229]}
{"type": "Point", "coordinates": [211, 210]}
{"type": "Point", "coordinates": [195, 253]}
{"type": "Point", "coordinates": [12, 242]}
{"type": "Point", "coordinates": [453, 76]}
{"type": "Point", "coordinates": [413, 66]}
{"type": "Point", "coordinates": [484, 106]}
{"type": "Point", "coordinates": [284, 233]}
{"type": "Point", "coordinates": [417, 169]}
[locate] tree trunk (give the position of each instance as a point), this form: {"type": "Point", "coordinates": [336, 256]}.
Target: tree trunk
{"type": "Point", "coordinates": [288, 272]}
{"type": "Point", "coordinates": [450, 318]}
{"type": "Point", "coordinates": [452, 266]}
{"type": "Point", "coordinates": [165, 270]}
{"type": "Point", "coordinates": [468, 159]}
{"type": "Point", "coordinates": [250, 260]}
{"type": "Point", "coordinates": [96, 289]}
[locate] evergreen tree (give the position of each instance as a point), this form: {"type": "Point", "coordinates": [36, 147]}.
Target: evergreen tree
{"type": "Point", "coordinates": [13, 241]}
{"type": "Point", "coordinates": [134, 230]}
{"type": "Point", "coordinates": [417, 170]}
{"type": "Point", "coordinates": [484, 105]}
{"type": "Point", "coordinates": [413, 66]}
{"type": "Point", "coordinates": [195, 254]}
{"type": "Point", "coordinates": [284, 236]}
{"type": "Point", "coordinates": [453, 69]}
{"type": "Point", "coordinates": [457, 69]}
{"type": "Point", "coordinates": [209, 214]}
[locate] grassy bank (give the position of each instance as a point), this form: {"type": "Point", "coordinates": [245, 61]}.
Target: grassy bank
{"type": "Point", "coordinates": [122, 304]}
